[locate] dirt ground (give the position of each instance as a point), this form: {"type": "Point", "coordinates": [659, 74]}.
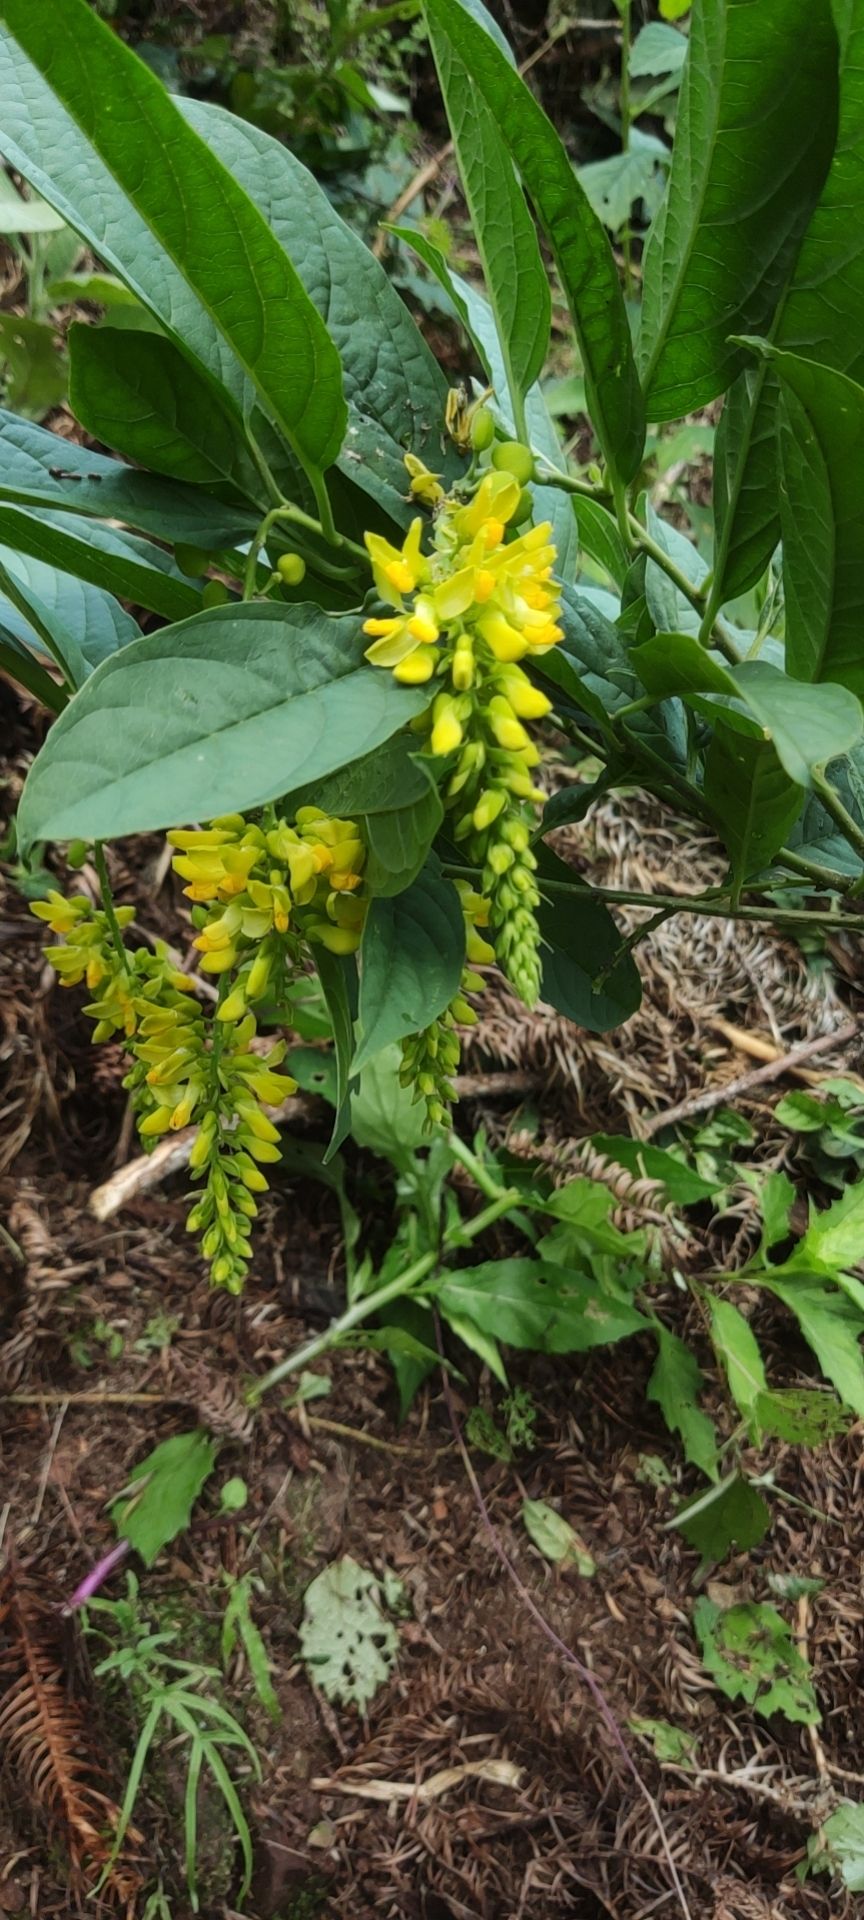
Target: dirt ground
{"type": "Point", "coordinates": [84, 1308]}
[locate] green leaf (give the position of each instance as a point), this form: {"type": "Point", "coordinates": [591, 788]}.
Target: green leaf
{"type": "Point", "coordinates": [171, 1479]}
{"type": "Point", "coordinates": [657, 49]}
{"type": "Point", "coordinates": [221, 712]}
{"type": "Point", "coordinates": [396, 392]}
{"type": "Point", "coordinates": [582, 253]}
{"type": "Point", "coordinates": [32, 215]}
{"type": "Point", "coordinates": [385, 1117]}
{"type": "Point", "coordinates": [682, 1185]}
{"type": "Point", "coordinates": [835, 1237]}
{"type": "Point", "coordinates": [798, 1415]}
{"type": "Point", "coordinates": [738, 1349]}
{"type": "Point", "coordinates": [675, 1385]}
{"type": "Point", "coordinates": [821, 443]}
{"type": "Point", "coordinates": [831, 1324]}
{"type": "Point", "coordinates": [843, 1832]}
{"type": "Point", "coordinates": [346, 1639]}
{"type": "Point", "coordinates": [817, 318]}
{"type": "Point", "coordinates": [669, 609]}
{"type": "Point", "coordinates": [398, 841]}
{"type": "Point", "coordinates": [33, 368]}
{"type": "Point", "coordinates": [669, 1743]}
{"type": "Point", "coordinates": [581, 941]}
{"type": "Point", "coordinates": [749, 161]}
{"type": "Point", "coordinates": [526, 1303]}
{"type": "Point", "coordinates": [39, 469]}
{"type": "Point", "coordinates": [338, 976]}
{"type": "Point", "coordinates": [411, 959]}
{"type": "Point", "coordinates": [776, 1200]}
{"type": "Point", "coordinates": [194, 212]}
{"type": "Point", "coordinates": [88, 624]}
{"type": "Point", "coordinates": [730, 1514]}
{"type": "Point", "coordinates": [103, 555]}
{"type": "Point", "coordinates": [516, 279]}
{"type": "Point", "coordinates": [751, 798]}
{"type": "Point", "coordinates": [616, 185]}
{"type": "Point", "coordinates": [674, 9]}
{"type": "Point", "coordinates": [149, 404]}
{"type": "Point", "coordinates": [750, 1652]}
{"type": "Point", "coordinates": [392, 777]}
{"type": "Point", "coordinates": [556, 1539]}
{"type": "Point", "coordinates": [592, 667]}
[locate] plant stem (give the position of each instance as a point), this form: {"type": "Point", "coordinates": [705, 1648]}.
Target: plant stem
{"type": "Point", "coordinates": [295, 516]}
{"type": "Point", "coordinates": [100, 864]}
{"type": "Point", "coordinates": [685, 903]}
{"type": "Point", "coordinates": [480, 1175]}
{"type": "Point", "coordinates": [833, 804]}
{"type": "Point", "coordinates": [624, 8]}
{"type": "Point", "coordinates": [362, 1309]}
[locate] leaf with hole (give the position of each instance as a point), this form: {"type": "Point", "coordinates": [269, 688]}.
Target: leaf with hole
{"type": "Point", "coordinates": [347, 1642]}
{"type": "Point", "coordinates": [750, 1653]}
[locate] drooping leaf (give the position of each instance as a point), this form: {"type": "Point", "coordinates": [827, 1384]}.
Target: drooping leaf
{"type": "Point", "coordinates": [581, 249]}
{"type": "Point", "coordinates": [411, 959]}
{"type": "Point", "coordinates": [39, 469]}
{"type": "Point", "coordinates": [191, 210]}
{"type": "Point", "coordinates": [831, 1324]}
{"type": "Point", "coordinates": [737, 1347]}
{"type": "Point", "coordinates": [749, 162]}
{"type": "Point", "coordinates": [156, 409]}
{"type": "Point", "coordinates": [750, 1652]}
{"type": "Point", "coordinates": [751, 798]}
{"type": "Point", "coordinates": [220, 712]}
{"type": "Point", "coordinates": [586, 973]}
{"type": "Point", "coordinates": [395, 391]}
{"type": "Point", "coordinates": [516, 279]}
{"type": "Point", "coordinates": [103, 555]}
{"type": "Point", "coordinates": [171, 1477]}
{"type": "Point", "coordinates": [675, 1384]}
{"type": "Point", "coordinates": [593, 669]}
{"type": "Point", "coordinates": [526, 1303]}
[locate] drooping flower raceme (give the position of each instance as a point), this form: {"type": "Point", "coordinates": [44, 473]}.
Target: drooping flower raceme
{"type": "Point", "coordinates": [464, 615]}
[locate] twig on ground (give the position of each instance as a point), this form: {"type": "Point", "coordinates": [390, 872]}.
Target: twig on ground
{"type": "Point", "coordinates": [588, 1678]}
{"type": "Point", "coordinates": [499, 1773]}
{"type": "Point", "coordinates": [710, 1097]}
{"type": "Point", "coordinates": [801, 1797]}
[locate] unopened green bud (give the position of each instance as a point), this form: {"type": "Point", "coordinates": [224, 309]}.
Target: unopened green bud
{"type": "Point", "coordinates": [291, 568]}
{"type": "Point", "coordinates": [512, 456]}
{"type": "Point", "coordinates": [482, 429]}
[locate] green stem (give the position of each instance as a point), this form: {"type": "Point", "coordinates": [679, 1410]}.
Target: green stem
{"type": "Point", "coordinates": [362, 1309]}
{"type": "Point", "coordinates": [624, 8]}
{"type": "Point", "coordinates": [101, 866]}
{"type": "Point", "coordinates": [292, 516]}
{"type": "Point", "coordinates": [833, 804]}
{"type": "Point", "coordinates": [687, 903]}
{"type": "Point", "coordinates": [547, 476]}
{"type": "Point", "coordinates": [480, 1175]}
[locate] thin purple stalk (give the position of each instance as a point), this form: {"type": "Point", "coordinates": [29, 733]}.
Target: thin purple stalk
{"type": "Point", "coordinates": [588, 1679]}
{"type": "Point", "coordinates": [93, 1580]}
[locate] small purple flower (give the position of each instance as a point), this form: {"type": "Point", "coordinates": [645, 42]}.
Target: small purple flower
{"type": "Point", "coordinates": [92, 1581]}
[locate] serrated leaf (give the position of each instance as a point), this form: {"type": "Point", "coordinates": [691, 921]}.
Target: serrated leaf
{"type": "Point", "coordinates": [157, 410]}
{"type": "Point", "coordinates": [582, 253]}
{"type": "Point", "coordinates": [220, 712]}
{"type": "Point", "coordinates": [346, 1640]}
{"type": "Point", "coordinates": [531, 1304]}
{"type": "Point", "coordinates": [731, 1513]}
{"type": "Point", "coordinates": [750, 1652]}
{"type": "Point", "coordinates": [556, 1539]}
{"type": "Point", "coordinates": [411, 959]}
{"type": "Point", "coordinates": [193, 212]}
{"type": "Point", "coordinates": [831, 1324]}
{"type": "Point", "coordinates": [749, 161]}
{"type": "Point", "coordinates": [172, 1477]}
{"type": "Point", "coordinates": [675, 1385]}
{"type": "Point", "coordinates": [835, 1236]}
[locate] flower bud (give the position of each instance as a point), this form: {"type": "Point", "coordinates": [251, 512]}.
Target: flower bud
{"type": "Point", "coordinates": [512, 456]}
{"type": "Point", "coordinates": [291, 568]}
{"type": "Point", "coordinates": [482, 429]}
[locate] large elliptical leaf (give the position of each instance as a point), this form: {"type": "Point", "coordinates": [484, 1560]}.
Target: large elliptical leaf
{"type": "Point", "coordinates": [581, 248]}
{"type": "Point", "coordinates": [751, 153]}
{"type": "Point", "coordinates": [85, 616]}
{"type": "Point", "coordinates": [195, 213]}
{"type": "Point", "coordinates": [819, 317]}
{"type": "Point", "coordinates": [103, 555]}
{"type": "Point", "coordinates": [411, 960]}
{"type": "Point", "coordinates": [395, 390]}
{"type": "Point", "coordinates": [752, 799]}
{"type": "Point", "coordinates": [516, 279]}
{"type": "Point", "coordinates": [222, 712]}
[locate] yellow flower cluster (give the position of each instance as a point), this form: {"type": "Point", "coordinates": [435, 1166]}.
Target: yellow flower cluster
{"type": "Point", "coordinates": [125, 986]}
{"type": "Point", "coordinates": [465, 614]}
{"type": "Point", "coordinates": [252, 885]}
{"type": "Point", "coordinates": [431, 1057]}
